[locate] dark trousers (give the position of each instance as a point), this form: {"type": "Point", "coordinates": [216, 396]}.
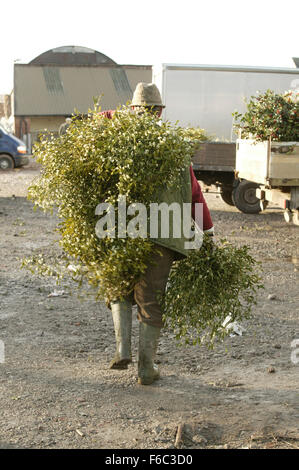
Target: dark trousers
{"type": "Point", "coordinates": [150, 285]}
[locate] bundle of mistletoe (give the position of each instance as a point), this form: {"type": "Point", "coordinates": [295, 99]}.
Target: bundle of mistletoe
{"type": "Point", "coordinates": [209, 285]}
{"type": "Point", "coordinates": [272, 115]}
{"type": "Point", "coordinates": [98, 160]}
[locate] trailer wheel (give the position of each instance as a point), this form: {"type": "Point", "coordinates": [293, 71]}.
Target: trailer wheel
{"type": "Point", "coordinates": [227, 196]}
{"type": "Point", "coordinates": [245, 199]}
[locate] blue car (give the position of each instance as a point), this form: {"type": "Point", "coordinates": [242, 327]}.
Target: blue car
{"type": "Point", "coordinates": [13, 151]}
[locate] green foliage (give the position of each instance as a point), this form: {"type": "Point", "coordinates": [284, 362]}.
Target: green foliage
{"type": "Point", "coordinates": [272, 115]}
{"type": "Point", "coordinates": [195, 134]}
{"type": "Point", "coordinates": [207, 286]}
{"type": "Point", "coordinates": [97, 160]}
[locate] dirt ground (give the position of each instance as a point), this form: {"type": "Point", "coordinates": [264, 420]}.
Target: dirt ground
{"type": "Point", "coordinates": [58, 392]}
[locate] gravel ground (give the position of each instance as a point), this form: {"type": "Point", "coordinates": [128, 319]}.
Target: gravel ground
{"type": "Point", "coordinates": [58, 392]}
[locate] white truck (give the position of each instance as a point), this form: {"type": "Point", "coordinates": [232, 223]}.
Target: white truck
{"type": "Point", "coordinates": [274, 168]}
{"type": "Point", "coordinates": [206, 96]}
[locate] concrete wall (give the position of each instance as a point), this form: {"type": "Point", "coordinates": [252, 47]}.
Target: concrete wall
{"type": "Point", "coordinates": [5, 106]}
{"type": "Point", "coordinates": [50, 123]}
{"type": "Point", "coordinates": [30, 128]}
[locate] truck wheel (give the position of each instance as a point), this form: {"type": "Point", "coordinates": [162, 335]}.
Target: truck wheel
{"type": "Point", "coordinates": [245, 198]}
{"type": "Point", "coordinates": [6, 162]}
{"type": "Point", "coordinates": [226, 196]}
{"type": "Point", "coordinates": [296, 217]}
{"type": "Point", "coordinates": [288, 216]}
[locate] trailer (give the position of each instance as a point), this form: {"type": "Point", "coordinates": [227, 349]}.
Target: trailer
{"type": "Point", "coordinates": [274, 168]}
{"type": "Point", "coordinates": [206, 96]}
{"type": "Point", "coordinates": [214, 164]}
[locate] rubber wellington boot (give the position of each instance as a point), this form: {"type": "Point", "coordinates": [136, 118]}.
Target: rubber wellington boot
{"type": "Point", "coordinates": [148, 343]}
{"type": "Point", "coordinates": [122, 320]}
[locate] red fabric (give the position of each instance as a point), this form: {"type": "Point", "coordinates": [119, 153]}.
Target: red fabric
{"type": "Point", "coordinates": [108, 114]}
{"type": "Point", "coordinates": [197, 195]}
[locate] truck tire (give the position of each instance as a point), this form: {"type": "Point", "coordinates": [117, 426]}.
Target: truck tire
{"type": "Point", "coordinates": [6, 162]}
{"type": "Point", "coordinates": [245, 199]}
{"type": "Point", "coordinates": [296, 217]}
{"type": "Point", "coordinates": [227, 196]}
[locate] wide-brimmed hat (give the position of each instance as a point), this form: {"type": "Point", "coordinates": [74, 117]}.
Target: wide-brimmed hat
{"type": "Point", "coordinates": [147, 94]}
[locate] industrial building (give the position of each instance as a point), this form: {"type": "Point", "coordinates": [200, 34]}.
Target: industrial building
{"type": "Point", "coordinates": [67, 79]}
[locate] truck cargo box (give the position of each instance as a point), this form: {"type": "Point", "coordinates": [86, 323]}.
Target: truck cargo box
{"type": "Point", "coordinates": [207, 95]}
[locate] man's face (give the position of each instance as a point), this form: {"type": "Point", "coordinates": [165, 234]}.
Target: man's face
{"type": "Point", "coordinates": [156, 110]}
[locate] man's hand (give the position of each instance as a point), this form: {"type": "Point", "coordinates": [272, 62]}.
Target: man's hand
{"type": "Point", "coordinates": [209, 232]}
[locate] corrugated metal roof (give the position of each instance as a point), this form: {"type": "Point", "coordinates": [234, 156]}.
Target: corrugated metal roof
{"type": "Point", "coordinates": [72, 55]}
{"type": "Point", "coordinates": [52, 90]}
